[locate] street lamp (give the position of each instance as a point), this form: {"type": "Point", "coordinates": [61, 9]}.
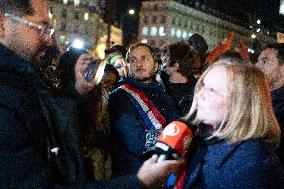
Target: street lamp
{"type": "Point", "coordinates": [131, 11]}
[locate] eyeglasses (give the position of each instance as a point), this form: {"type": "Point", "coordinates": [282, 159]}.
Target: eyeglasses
{"type": "Point", "coordinates": [44, 29]}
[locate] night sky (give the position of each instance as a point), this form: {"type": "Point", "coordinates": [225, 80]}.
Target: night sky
{"type": "Point", "coordinates": [246, 12]}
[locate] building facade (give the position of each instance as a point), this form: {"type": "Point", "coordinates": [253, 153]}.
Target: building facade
{"type": "Point", "coordinates": [82, 20]}
{"type": "Point", "coordinates": [165, 22]}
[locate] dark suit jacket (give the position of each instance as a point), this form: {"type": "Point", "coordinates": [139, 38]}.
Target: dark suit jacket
{"type": "Point", "coordinates": [250, 164]}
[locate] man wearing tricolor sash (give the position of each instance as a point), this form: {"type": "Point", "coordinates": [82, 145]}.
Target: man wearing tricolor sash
{"type": "Point", "coordinates": [139, 109]}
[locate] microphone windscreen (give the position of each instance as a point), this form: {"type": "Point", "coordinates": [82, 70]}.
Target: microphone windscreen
{"type": "Point", "coordinates": [176, 135]}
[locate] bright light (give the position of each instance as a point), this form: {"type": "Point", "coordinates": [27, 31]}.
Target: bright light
{"type": "Point", "coordinates": [258, 21]}
{"type": "Point", "coordinates": [65, 1]}
{"type": "Point", "coordinates": [101, 50]}
{"type": "Point", "coordinates": [184, 34]}
{"type": "Point", "coordinates": [162, 31]}
{"type": "Point", "coordinates": [253, 36]}
{"type": "Point", "coordinates": [258, 30]}
{"type": "Point", "coordinates": [251, 50]}
{"type": "Point", "coordinates": [178, 34]}
{"type": "Point", "coordinates": [78, 44]}
{"type": "Point", "coordinates": [153, 31]}
{"type": "Point", "coordinates": [131, 11]}
{"type": "Point", "coordinates": [173, 31]}
{"type": "Point", "coordinates": [86, 16]}
{"type": "Point", "coordinates": [144, 41]}
{"type": "Point", "coordinates": [145, 30]}
{"type": "Point", "coordinates": [76, 2]}
{"type": "Point", "coordinates": [281, 9]}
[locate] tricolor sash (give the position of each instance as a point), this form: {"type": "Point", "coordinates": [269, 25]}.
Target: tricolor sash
{"type": "Point", "coordinates": [150, 114]}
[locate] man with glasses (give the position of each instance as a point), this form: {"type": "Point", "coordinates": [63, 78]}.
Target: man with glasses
{"type": "Point", "coordinates": [271, 62]}
{"type": "Point", "coordinates": [139, 110]}
{"type": "Point", "coordinates": [39, 147]}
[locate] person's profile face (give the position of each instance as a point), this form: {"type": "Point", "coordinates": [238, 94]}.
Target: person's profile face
{"type": "Point", "coordinates": [212, 97]}
{"type": "Point", "coordinates": [28, 41]}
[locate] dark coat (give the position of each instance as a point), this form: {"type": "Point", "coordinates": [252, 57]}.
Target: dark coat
{"type": "Point", "coordinates": [278, 107]}
{"type": "Point", "coordinates": [128, 127]}
{"type": "Point", "coordinates": [24, 131]}
{"type": "Point", "coordinates": [182, 94]}
{"type": "Point", "coordinates": [249, 164]}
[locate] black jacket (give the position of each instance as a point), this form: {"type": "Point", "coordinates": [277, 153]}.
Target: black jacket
{"type": "Point", "coordinates": [278, 107]}
{"type": "Point", "coordinates": [29, 115]}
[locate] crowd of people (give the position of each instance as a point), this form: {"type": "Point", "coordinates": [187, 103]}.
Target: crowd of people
{"type": "Point", "coordinates": [66, 131]}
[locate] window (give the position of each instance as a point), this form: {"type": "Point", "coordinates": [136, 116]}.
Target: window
{"type": "Point", "coordinates": [63, 26]}
{"type": "Point", "coordinates": [154, 31]}
{"type": "Point", "coordinates": [154, 19]}
{"type": "Point", "coordinates": [163, 20]}
{"type": "Point", "coordinates": [184, 34]}
{"type": "Point", "coordinates": [76, 15]}
{"type": "Point", "coordinates": [162, 31]}
{"type": "Point", "coordinates": [173, 32]}
{"type": "Point", "coordinates": [145, 31]}
{"type": "Point", "coordinates": [76, 2]}
{"type": "Point", "coordinates": [145, 20]}
{"type": "Point", "coordinates": [178, 34]}
{"type": "Point", "coordinates": [86, 16]}
{"type": "Point", "coordinates": [144, 41]}
{"type": "Point", "coordinates": [64, 13]}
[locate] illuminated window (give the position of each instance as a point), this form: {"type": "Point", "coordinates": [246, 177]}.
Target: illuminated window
{"type": "Point", "coordinates": [178, 33]}
{"type": "Point", "coordinates": [184, 34]}
{"type": "Point", "coordinates": [76, 2]}
{"type": "Point", "coordinates": [281, 9]}
{"type": "Point", "coordinates": [86, 16]}
{"type": "Point", "coordinates": [173, 32]}
{"type": "Point", "coordinates": [145, 31]}
{"type": "Point", "coordinates": [162, 31]}
{"type": "Point", "coordinates": [154, 31]}
{"type": "Point", "coordinates": [144, 41]}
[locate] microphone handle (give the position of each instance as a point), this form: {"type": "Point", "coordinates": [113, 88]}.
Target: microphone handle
{"type": "Point", "coordinates": [161, 158]}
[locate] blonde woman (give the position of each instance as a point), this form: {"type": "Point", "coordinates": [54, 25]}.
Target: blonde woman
{"type": "Point", "coordinates": [232, 104]}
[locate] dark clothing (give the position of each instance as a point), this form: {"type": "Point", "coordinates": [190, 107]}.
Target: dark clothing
{"type": "Point", "coordinates": [182, 94]}
{"type": "Point", "coordinates": [27, 119]}
{"type": "Point", "coordinates": [128, 127]}
{"type": "Point", "coordinates": [278, 107]}
{"type": "Point", "coordinates": [249, 164]}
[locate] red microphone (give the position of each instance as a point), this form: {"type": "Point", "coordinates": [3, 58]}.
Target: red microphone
{"type": "Point", "coordinates": [173, 141]}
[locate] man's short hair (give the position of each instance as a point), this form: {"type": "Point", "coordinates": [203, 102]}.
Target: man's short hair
{"type": "Point", "coordinates": [183, 54]}
{"type": "Point", "coordinates": [279, 47]}
{"type": "Point", "coordinates": [18, 7]}
{"type": "Point", "coordinates": [152, 51]}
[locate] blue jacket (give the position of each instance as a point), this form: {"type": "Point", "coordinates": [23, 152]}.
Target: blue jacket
{"type": "Point", "coordinates": [250, 164]}
{"type": "Point", "coordinates": [128, 127]}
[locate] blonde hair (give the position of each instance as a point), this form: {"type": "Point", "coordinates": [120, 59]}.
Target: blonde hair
{"type": "Point", "coordinates": [251, 115]}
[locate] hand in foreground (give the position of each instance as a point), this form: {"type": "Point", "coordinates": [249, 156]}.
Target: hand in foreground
{"type": "Point", "coordinates": [153, 174]}
{"type": "Point", "coordinates": [81, 85]}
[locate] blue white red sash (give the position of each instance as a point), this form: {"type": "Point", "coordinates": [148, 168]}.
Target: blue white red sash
{"type": "Point", "coordinates": [151, 115]}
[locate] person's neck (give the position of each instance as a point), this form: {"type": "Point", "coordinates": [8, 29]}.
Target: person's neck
{"type": "Point", "coordinates": [177, 78]}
